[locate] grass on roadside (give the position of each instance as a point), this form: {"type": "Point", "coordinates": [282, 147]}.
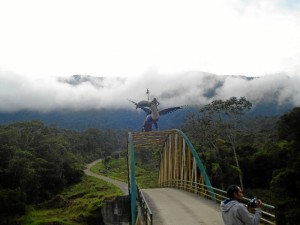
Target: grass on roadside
{"type": "Point", "coordinates": [116, 169]}
{"type": "Point", "coordinates": [146, 175]}
{"type": "Point", "coordinates": [76, 205]}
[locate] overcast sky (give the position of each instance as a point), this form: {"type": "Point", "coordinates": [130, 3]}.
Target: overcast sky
{"type": "Point", "coordinates": [147, 44]}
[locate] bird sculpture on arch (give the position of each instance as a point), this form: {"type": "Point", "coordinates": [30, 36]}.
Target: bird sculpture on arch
{"type": "Point", "coordinates": [152, 112]}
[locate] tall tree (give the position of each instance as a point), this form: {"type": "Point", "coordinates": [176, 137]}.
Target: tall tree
{"type": "Point", "coordinates": [225, 116]}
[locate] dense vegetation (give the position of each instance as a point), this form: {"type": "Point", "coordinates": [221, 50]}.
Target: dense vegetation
{"type": "Point", "coordinates": [261, 154]}
{"type": "Point", "coordinates": [78, 204]}
{"type": "Point", "coordinates": [37, 162]}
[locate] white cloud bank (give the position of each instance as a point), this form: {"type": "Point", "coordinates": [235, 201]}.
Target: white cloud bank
{"type": "Point", "coordinates": [194, 88]}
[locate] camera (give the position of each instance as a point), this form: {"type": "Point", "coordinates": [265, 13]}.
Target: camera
{"type": "Point", "coordinates": [252, 203]}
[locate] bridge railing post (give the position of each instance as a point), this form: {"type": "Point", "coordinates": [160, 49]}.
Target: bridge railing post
{"type": "Point", "coordinates": [132, 181]}
{"type": "Point", "coordinates": [144, 209]}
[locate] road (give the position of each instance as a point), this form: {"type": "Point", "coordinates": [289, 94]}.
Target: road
{"type": "Point", "coordinates": [173, 206]}
{"type": "Point", "coordinates": [123, 186]}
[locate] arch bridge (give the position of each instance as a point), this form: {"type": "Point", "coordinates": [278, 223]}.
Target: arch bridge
{"type": "Point", "coordinates": [181, 173]}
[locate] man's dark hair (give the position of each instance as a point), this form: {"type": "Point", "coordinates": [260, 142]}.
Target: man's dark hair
{"type": "Point", "coordinates": [232, 189]}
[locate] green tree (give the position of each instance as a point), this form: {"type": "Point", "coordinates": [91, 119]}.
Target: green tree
{"type": "Point", "coordinates": [226, 115]}
{"type": "Point", "coordinates": [286, 180]}
{"type": "Point", "coordinates": [288, 126]}
{"type": "Point", "coordinates": [38, 161]}
{"type": "Point", "coordinates": [12, 204]}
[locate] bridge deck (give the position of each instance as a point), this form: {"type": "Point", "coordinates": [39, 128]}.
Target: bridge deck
{"type": "Point", "coordinates": [172, 206]}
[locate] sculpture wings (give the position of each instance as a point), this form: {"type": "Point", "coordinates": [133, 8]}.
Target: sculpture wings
{"type": "Point", "coordinates": [147, 110]}
{"type": "Point", "coordinates": [169, 110]}
{"type": "Point", "coordinates": [144, 104]}
{"type": "Point", "coordinates": [152, 113]}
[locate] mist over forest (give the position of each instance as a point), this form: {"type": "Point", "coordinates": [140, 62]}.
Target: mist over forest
{"type": "Point", "coordinates": [84, 92]}
{"type": "Point", "coordinates": [82, 101]}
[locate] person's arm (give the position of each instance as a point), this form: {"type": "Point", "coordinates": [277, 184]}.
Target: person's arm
{"type": "Point", "coordinates": [248, 218]}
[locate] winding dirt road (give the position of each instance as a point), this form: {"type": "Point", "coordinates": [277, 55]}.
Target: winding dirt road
{"type": "Point", "coordinates": [123, 186]}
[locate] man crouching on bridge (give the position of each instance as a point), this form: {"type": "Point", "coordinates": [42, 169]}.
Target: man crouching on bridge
{"type": "Point", "coordinates": [236, 213]}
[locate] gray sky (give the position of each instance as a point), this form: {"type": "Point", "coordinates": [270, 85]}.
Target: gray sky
{"type": "Point", "coordinates": [167, 46]}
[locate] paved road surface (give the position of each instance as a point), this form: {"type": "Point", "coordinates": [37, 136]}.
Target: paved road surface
{"type": "Point", "coordinates": [172, 206]}
{"type": "Point", "coordinates": [123, 186]}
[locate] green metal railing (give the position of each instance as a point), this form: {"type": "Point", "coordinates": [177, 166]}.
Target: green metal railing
{"type": "Point", "coordinates": [146, 213]}
{"type": "Point", "coordinates": [268, 212]}
{"type": "Point", "coordinates": [132, 182]}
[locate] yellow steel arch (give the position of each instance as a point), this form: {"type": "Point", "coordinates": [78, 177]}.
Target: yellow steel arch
{"type": "Point", "coordinates": [180, 165]}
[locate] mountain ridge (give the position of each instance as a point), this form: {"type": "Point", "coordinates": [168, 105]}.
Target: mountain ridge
{"type": "Point", "coordinates": [84, 101]}
{"type": "Point", "coordinates": [123, 119]}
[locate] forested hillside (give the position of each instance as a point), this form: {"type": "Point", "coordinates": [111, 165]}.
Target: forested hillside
{"type": "Point", "coordinates": [261, 154]}
{"type": "Point", "coordinates": [37, 162]}
{"type": "Point", "coordinates": [124, 119]}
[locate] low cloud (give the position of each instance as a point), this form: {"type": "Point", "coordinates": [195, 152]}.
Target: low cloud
{"type": "Point", "coordinates": [83, 92]}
